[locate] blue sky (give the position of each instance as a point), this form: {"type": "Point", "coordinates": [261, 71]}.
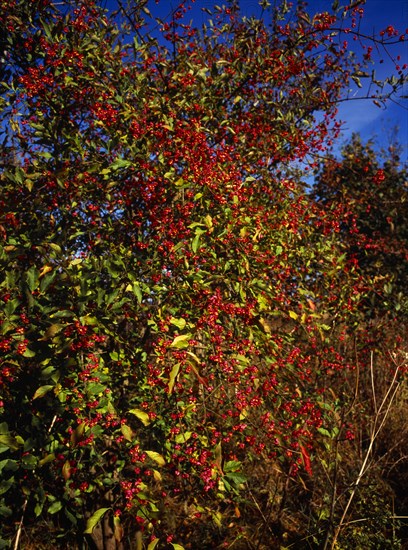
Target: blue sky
{"type": "Point", "coordinates": [364, 117]}
{"type": "Point", "coordinates": [358, 116]}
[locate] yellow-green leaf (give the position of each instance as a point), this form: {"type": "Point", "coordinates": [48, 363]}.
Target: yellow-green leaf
{"type": "Point", "coordinates": [194, 356]}
{"type": "Point", "coordinates": [208, 221]}
{"type": "Point", "coordinates": [141, 415]}
{"type": "Point", "coordinates": [127, 432]}
{"type": "Point", "coordinates": [9, 441]}
{"type": "Point", "coordinates": [46, 459]}
{"type": "Point", "coordinates": [173, 375]}
{"type": "Point", "coordinates": [95, 519]}
{"type": "Point", "coordinates": [181, 342]}
{"type": "Point", "coordinates": [183, 437]}
{"type": "Point", "coordinates": [153, 544]}
{"type": "Point", "coordinates": [156, 457]}
{"type": "Point", "coordinates": [179, 323]}
{"type": "Point", "coordinates": [52, 330]}
{"type": "Point", "coordinates": [157, 475]}
{"type": "Point", "coordinates": [40, 392]}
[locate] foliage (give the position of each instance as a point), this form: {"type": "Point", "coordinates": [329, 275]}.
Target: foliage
{"type": "Point", "coordinates": [171, 298]}
{"type": "Point", "coordinates": [373, 193]}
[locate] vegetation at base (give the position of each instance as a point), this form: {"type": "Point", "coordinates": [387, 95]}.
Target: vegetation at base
{"type": "Point", "coordinates": [197, 350]}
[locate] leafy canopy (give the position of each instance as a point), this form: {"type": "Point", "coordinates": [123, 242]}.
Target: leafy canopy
{"type": "Point", "coordinates": [169, 292]}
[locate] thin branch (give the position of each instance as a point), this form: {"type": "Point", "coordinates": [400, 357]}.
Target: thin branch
{"type": "Point", "coordinates": [376, 428]}
{"type": "Point", "coordinates": [20, 526]}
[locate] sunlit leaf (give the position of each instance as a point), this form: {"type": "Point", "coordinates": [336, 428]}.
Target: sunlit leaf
{"type": "Point", "coordinates": [127, 432]}
{"type": "Point", "coordinates": [179, 323]}
{"type": "Point", "coordinates": [43, 390]}
{"type": "Point", "coordinates": [182, 341]}
{"type": "Point", "coordinates": [141, 415]}
{"type": "Point", "coordinates": [95, 519]}
{"type": "Point", "coordinates": [152, 545]}
{"type": "Point", "coordinates": [173, 375]}
{"type": "Point", "coordinates": [156, 457]}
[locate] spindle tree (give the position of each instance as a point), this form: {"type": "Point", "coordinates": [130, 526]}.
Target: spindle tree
{"type": "Point", "coordinates": [171, 297]}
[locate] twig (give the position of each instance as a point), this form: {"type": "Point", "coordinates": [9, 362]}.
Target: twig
{"type": "Point", "coordinates": [372, 383]}
{"type": "Point", "coordinates": [20, 526]}
{"type": "Point", "coordinates": [377, 426]}
{"type": "Point", "coordinates": [52, 423]}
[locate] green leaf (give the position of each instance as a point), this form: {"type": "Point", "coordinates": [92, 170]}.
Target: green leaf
{"type": "Point", "coordinates": [232, 466]}
{"type": "Point", "coordinates": [41, 391]}
{"type": "Point", "coordinates": [141, 415]}
{"type": "Point", "coordinates": [120, 163]}
{"type": "Point", "coordinates": [11, 307]}
{"type": "Point", "coordinates": [183, 437]}
{"type": "Point", "coordinates": [48, 458]}
{"type": "Point", "coordinates": [236, 478]}
{"type": "Point", "coordinates": [5, 511]}
{"type": "Point", "coordinates": [47, 280]}
{"type": "Point", "coordinates": [324, 432]}
{"type": "Point", "coordinates": [94, 388]}
{"type": "Point", "coordinates": [179, 323]}
{"type": "Point", "coordinates": [181, 342]}
{"type": "Point", "coordinates": [62, 314]}
{"type": "Point", "coordinates": [32, 278]}
{"type": "Point", "coordinates": [89, 320]}
{"type": "Point", "coordinates": [38, 508]}
{"type": "Point", "coordinates": [198, 232]}
{"type": "Point", "coordinates": [29, 462]}
{"type": "Point", "coordinates": [5, 485]}
{"type": "Point", "coordinates": [8, 464]}
{"type": "Point", "coordinates": [95, 519]}
{"type": "Point", "coordinates": [127, 432]}
{"type": "Point", "coordinates": [9, 441]}
{"type": "Point", "coordinates": [195, 243]}
{"type": "Point", "coordinates": [55, 507]}
{"type": "Point", "coordinates": [137, 292]}
{"type": "Point", "coordinates": [52, 330]}
{"type": "Point", "coordinates": [177, 546]}
{"type": "Point", "coordinates": [45, 154]}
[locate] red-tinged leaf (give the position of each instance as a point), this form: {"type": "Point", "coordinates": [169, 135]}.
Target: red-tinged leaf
{"type": "Point", "coordinates": [66, 470]}
{"type": "Point", "coordinates": [306, 460]}
{"type": "Point", "coordinates": [118, 529]}
{"type": "Point", "coordinates": [77, 435]}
